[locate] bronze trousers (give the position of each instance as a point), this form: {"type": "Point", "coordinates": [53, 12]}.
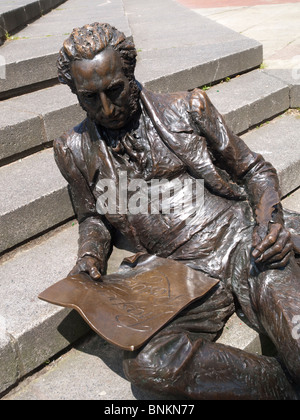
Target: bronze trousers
{"type": "Point", "coordinates": [184, 361]}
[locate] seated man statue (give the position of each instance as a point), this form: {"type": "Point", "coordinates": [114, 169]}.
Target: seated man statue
{"type": "Point", "coordinates": [243, 237]}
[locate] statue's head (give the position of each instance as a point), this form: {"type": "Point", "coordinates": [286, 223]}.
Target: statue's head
{"type": "Point", "coordinates": [97, 62]}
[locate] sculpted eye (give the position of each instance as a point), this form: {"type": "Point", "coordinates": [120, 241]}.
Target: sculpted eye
{"type": "Point", "coordinates": [114, 91]}
{"type": "Point", "coordinates": [89, 96]}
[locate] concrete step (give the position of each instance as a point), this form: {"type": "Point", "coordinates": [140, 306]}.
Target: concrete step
{"type": "Point", "coordinates": [32, 331]}
{"type": "Point", "coordinates": [41, 196]}
{"type": "Point", "coordinates": [17, 13]}
{"type": "Point", "coordinates": [292, 78]}
{"type": "Point", "coordinates": [177, 51]}
{"type": "Point", "coordinates": [30, 57]}
{"type": "Point", "coordinates": [92, 370]}
{"type": "Point", "coordinates": [31, 121]}
{"type": "Point", "coordinates": [248, 100]}
{"type": "Point", "coordinates": [34, 198]}
{"type": "Point", "coordinates": [278, 142]}
{"type": "Point", "coordinates": [168, 59]}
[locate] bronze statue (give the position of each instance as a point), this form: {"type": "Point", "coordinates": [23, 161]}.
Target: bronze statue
{"type": "Point", "coordinates": [242, 236]}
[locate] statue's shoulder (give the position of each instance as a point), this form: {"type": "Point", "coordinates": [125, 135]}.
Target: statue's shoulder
{"type": "Point", "coordinates": [174, 110]}
{"type": "Point", "coordinates": [166, 98]}
{"type": "Point", "coordinates": [193, 100]}
{"type": "Point", "coordinates": [71, 139]}
{"type": "Point", "coordinates": [197, 100]}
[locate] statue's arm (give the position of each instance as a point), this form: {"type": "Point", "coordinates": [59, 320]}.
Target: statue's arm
{"type": "Point", "coordinates": [94, 244]}
{"type": "Point", "coordinates": [271, 242]}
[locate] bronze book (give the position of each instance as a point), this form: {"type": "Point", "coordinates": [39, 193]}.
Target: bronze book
{"type": "Point", "coordinates": [130, 306]}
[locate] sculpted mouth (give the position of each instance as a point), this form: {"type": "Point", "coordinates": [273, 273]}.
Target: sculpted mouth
{"type": "Point", "coordinates": [113, 118]}
{"type": "Point", "coordinates": [116, 120]}
{"type": "Point", "coordinates": [117, 117]}
{"type": "Point", "coordinates": [112, 122]}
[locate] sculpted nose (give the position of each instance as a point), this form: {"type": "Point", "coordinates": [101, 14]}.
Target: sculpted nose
{"type": "Point", "coordinates": [107, 106]}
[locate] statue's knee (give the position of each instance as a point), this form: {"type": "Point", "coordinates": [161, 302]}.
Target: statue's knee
{"type": "Point", "coordinates": [139, 367]}
{"type": "Point", "coordinates": [159, 361]}
{"type": "Point", "coordinates": [131, 366]}
{"type": "Point", "coordinates": [292, 363]}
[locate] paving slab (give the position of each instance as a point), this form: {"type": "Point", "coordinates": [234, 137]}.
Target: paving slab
{"type": "Point", "coordinates": [273, 23]}
{"type": "Point", "coordinates": [30, 271]}
{"type": "Point", "coordinates": [27, 324]}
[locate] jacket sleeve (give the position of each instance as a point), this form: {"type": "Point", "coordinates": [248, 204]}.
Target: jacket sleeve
{"type": "Point", "coordinates": [232, 154]}
{"type": "Point", "coordinates": [94, 234]}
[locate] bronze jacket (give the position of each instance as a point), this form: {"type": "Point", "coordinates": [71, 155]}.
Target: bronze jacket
{"type": "Point", "coordinates": [192, 129]}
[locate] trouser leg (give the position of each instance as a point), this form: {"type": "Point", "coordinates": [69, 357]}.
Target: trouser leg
{"type": "Point", "coordinates": [276, 298]}
{"type": "Point", "coordinates": [182, 361]}
{"type": "Point", "coordinates": [172, 364]}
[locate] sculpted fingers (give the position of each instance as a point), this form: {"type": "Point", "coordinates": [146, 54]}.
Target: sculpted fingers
{"type": "Point", "coordinates": [75, 270]}
{"type": "Point", "coordinates": [282, 263]}
{"type": "Point", "coordinates": [94, 273]}
{"type": "Point", "coordinates": [275, 249]}
{"type": "Point", "coordinates": [281, 254]}
{"type": "Point", "coordinates": [278, 249]}
{"type": "Point", "coordinates": [87, 265]}
{"type": "Point", "coordinates": [267, 242]}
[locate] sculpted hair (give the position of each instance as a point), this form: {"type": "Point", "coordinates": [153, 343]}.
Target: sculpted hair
{"type": "Point", "coordinates": [90, 40]}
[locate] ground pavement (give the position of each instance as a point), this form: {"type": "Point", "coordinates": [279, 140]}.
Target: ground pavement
{"type": "Point", "coordinates": [274, 23]}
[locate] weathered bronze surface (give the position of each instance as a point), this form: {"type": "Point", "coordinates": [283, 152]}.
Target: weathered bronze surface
{"type": "Point", "coordinates": [240, 234]}
{"type": "Point", "coordinates": [129, 307]}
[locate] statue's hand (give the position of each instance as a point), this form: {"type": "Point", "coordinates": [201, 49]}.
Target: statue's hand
{"type": "Point", "coordinates": [89, 265]}
{"type": "Point", "coordinates": [275, 249]}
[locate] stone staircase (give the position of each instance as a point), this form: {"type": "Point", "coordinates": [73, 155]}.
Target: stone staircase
{"type": "Point", "coordinates": [177, 50]}
{"type": "Point", "coordinates": [15, 14]}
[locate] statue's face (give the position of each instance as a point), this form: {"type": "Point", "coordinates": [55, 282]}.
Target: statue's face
{"type": "Point", "coordinates": [103, 89]}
